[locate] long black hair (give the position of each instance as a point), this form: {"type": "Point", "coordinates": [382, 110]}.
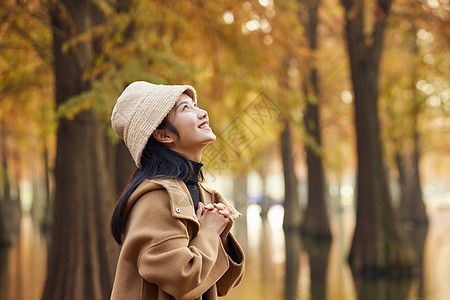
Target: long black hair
{"type": "Point", "coordinates": [157, 161]}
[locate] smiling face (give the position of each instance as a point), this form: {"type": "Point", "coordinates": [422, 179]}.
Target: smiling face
{"type": "Point", "coordinates": [193, 129]}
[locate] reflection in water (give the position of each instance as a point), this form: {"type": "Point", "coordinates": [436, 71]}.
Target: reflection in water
{"type": "Point", "coordinates": [318, 252]}
{"type": "Point", "coordinates": [399, 288]}
{"type": "Point", "coordinates": [437, 256]}
{"type": "Point", "coordinates": [279, 265]}
{"type": "Point", "coordinates": [293, 248]}
{"type": "Point", "coordinates": [416, 235]}
{"type": "Point", "coordinates": [340, 285]}
{"type": "Point", "coordinates": [383, 288]}
{"type": "Point", "coordinates": [315, 272]}
{"type": "Point", "coordinates": [4, 262]}
{"type": "Point", "coordinates": [23, 265]}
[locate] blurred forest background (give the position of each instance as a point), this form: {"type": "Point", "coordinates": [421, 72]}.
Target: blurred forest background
{"type": "Point", "coordinates": [333, 125]}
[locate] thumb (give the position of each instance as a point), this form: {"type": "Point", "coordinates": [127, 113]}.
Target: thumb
{"type": "Point", "coordinates": [200, 209]}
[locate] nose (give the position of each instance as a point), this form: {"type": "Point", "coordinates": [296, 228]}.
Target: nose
{"type": "Point", "coordinates": [202, 113]}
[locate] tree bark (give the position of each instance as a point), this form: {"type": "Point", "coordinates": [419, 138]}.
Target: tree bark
{"type": "Point", "coordinates": [316, 220]}
{"type": "Point", "coordinates": [292, 213]}
{"type": "Point", "coordinates": [6, 184]}
{"type": "Point", "coordinates": [266, 201]}
{"type": "Point", "coordinates": [240, 197]}
{"type": "Point", "coordinates": [412, 207]}
{"type": "Point", "coordinates": [124, 167]}
{"type": "Point", "coordinates": [46, 220]}
{"type": "Point", "coordinates": [8, 214]}
{"type": "Point", "coordinates": [418, 214]}
{"type": "Point", "coordinates": [121, 158]}
{"type": "Point", "coordinates": [379, 246]}
{"type": "Point", "coordinates": [80, 263]}
{"type": "Point", "coordinates": [4, 237]}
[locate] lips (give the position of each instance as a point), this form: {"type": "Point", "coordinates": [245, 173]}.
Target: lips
{"type": "Point", "coordinates": [204, 125]}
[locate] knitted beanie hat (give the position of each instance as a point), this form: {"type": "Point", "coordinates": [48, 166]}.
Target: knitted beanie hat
{"type": "Point", "coordinates": [139, 110]}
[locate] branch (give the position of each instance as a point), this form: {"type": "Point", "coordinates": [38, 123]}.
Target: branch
{"type": "Point", "coordinates": [41, 50]}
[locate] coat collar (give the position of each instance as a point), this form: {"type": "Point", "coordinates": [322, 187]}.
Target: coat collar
{"type": "Point", "coordinates": [181, 205]}
{"type": "Point", "coordinates": [179, 198]}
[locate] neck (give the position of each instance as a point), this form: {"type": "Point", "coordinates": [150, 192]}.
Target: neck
{"type": "Point", "coordinates": [195, 158]}
{"type": "Point", "coordinates": [194, 155]}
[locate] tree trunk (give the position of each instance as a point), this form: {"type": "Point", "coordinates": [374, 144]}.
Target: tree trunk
{"type": "Point", "coordinates": [418, 213]}
{"type": "Point", "coordinates": [240, 197]}
{"type": "Point", "coordinates": [124, 167]}
{"type": "Point", "coordinates": [17, 202]}
{"type": "Point", "coordinates": [379, 246]}
{"type": "Point", "coordinates": [4, 237]}
{"type": "Point", "coordinates": [412, 208]}
{"type": "Point", "coordinates": [80, 262]}
{"type": "Point", "coordinates": [266, 202]}
{"type": "Point", "coordinates": [292, 213]}
{"type": "Point", "coordinates": [316, 220]}
{"type": "Point", "coordinates": [6, 184]}
{"type": "Point", "coordinates": [10, 210]}
{"type": "Point", "coordinates": [46, 220]}
{"type": "Point", "coordinates": [123, 162]}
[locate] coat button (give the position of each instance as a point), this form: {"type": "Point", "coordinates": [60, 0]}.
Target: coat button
{"type": "Point", "coordinates": [177, 209]}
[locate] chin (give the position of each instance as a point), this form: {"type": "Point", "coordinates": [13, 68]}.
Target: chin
{"type": "Point", "coordinates": [213, 137]}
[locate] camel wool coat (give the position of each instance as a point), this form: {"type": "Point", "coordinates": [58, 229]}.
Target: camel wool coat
{"type": "Point", "coordinates": [166, 254]}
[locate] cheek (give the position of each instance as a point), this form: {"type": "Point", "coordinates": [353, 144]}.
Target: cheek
{"type": "Point", "coordinates": [185, 133]}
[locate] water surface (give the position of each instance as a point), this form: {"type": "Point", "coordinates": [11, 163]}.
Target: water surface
{"type": "Point", "coordinates": [279, 265]}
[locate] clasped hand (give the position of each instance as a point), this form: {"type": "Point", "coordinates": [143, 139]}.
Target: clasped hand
{"type": "Point", "coordinates": [217, 217]}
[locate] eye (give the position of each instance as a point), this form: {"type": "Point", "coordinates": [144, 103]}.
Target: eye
{"type": "Point", "coordinates": [185, 107]}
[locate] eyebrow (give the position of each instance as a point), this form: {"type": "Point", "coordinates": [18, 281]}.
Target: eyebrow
{"type": "Point", "coordinates": [185, 101]}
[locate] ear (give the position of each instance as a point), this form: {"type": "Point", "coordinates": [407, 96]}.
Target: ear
{"type": "Point", "coordinates": [163, 136]}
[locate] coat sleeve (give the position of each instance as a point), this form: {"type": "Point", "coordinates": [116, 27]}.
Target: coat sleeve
{"type": "Point", "coordinates": [166, 257]}
{"type": "Point", "coordinates": [235, 272]}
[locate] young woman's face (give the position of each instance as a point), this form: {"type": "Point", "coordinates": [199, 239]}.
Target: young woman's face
{"type": "Point", "coordinates": [192, 125]}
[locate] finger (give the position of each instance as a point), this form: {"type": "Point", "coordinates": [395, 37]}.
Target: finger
{"type": "Point", "coordinates": [219, 206]}
{"type": "Point", "coordinates": [235, 216]}
{"type": "Point", "coordinates": [209, 206]}
{"type": "Point", "coordinates": [225, 213]}
{"type": "Point", "coordinates": [200, 210]}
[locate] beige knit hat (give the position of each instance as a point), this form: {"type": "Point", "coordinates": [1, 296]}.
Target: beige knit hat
{"type": "Point", "coordinates": [141, 107]}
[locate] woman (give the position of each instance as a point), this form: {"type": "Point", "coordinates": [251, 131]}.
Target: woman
{"type": "Point", "coordinates": [174, 231]}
